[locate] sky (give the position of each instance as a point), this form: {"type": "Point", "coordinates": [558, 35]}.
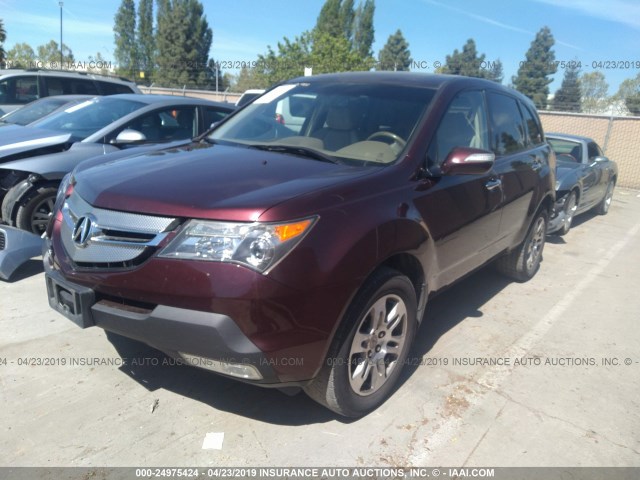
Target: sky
{"type": "Point", "coordinates": [601, 35]}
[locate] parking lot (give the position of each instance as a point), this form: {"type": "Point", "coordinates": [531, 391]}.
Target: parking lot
{"type": "Point", "coordinates": [545, 373]}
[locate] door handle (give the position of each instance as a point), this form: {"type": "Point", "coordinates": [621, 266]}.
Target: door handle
{"type": "Point", "coordinates": [493, 184]}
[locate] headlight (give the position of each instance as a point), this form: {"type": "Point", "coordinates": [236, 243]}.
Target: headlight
{"type": "Point", "coordinates": [256, 245]}
{"type": "Point", "coordinates": [64, 191]}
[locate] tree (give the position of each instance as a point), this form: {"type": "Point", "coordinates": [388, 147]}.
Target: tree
{"type": "Point", "coordinates": [335, 44]}
{"type": "Point", "coordinates": [568, 97]}
{"type": "Point", "coordinates": [632, 103]}
{"type": "Point", "coordinates": [247, 79]}
{"type": "Point", "coordinates": [347, 16]}
{"type": "Point", "coordinates": [184, 40]}
{"type": "Point", "coordinates": [533, 76]}
{"type": "Point", "coordinates": [3, 37]}
{"type": "Point", "coordinates": [334, 54]}
{"type": "Point", "coordinates": [467, 62]}
{"type": "Point", "coordinates": [21, 56]}
{"type": "Point", "coordinates": [363, 31]}
{"type": "Point", "coordinates": [49, 54]}
{"type": "Point", "coordinates": [330, 19]}
{"type": "Point", "coordinates": [145, 38]}
{"type": "Point", "coordinates": [395, 55]}
{"type": "Point", "coordinates": [100, 64]}
{"type": "Point", "coordinates": [629, 94]}
{"type": "Point", "coordinates": [124, 30]}
{"type": "Point", "coordinates": [495, 72]}
{"type": "Point", "coordinates": [289, 61]}
{"type": "Point", "coordinates": [594, 89]}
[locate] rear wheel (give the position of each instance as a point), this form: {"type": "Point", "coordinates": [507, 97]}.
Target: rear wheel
{"type": "Point", "coordinates": [603, 206]}
{"type": "Point", "coordinates": [523, 263]}
{"type": "Point", "coordinates": [35, 209]}
{"type": "Point", "coordinates": [370, 347]}
{"type": "Point", "coordinates": [570, 207]}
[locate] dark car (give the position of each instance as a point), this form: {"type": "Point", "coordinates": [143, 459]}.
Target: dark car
{"type": "Point", "coordinates": [305, 258]}
{"type": "Point", "coordinates": [96, 127]}
{"type": "Point", "coordinates": [19, 87]}
{"type": "Point", "coordinates": [38, 109]}
{"type": "Point", "coordinates": [585, 179]}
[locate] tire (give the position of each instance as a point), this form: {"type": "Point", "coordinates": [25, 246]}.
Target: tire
{"type": "Point", "coordinates": [523, 262]}
{"type": "Point", "coordinates": [348, 382]}
{"type": "Point", "coordinates": [35, 209]}
{"type": "Point", "coordinates": [570, 207]}
{"type": "Point", "coordinates": [605, 203]}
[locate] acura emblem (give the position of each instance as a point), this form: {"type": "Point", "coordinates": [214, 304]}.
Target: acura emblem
{"type": "Point", "coordinates": [81, 233]}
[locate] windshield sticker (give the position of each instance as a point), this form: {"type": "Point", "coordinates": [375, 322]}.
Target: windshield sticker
{"type": "Point", "coordinates": [78, 107]}
{"type": "Point", "coordinates": [273, 94]}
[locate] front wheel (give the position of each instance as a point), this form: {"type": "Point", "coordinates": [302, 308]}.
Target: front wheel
{"type": "Point", "coordinates": [523, 262]}
{"type": "Point", "coordinates": [370, 347]}
{"type": "Point", "coordinates": [603, 206]}
{"type": "Point", "coordinates": [570, 207]}
{"type": "Point", "coordinates": [35, 210]}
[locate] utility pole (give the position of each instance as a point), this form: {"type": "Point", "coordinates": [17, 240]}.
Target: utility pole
{"type": "Point", "coordinates": [61, 58]}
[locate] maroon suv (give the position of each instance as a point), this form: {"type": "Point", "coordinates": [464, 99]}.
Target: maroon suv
{"type": "Point", "coordinates": [297, 244]}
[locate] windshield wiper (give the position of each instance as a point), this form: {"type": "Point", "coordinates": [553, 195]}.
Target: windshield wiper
{"type": "Point", "coordinates": [297, 150]}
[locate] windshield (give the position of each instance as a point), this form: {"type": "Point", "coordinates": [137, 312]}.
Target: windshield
{"type": "Point", "coordinates": [349, 122]}
{"type": "Point", "coordinates": [88, 117]}
{"type": "Point", "coordinates": [34, 111]}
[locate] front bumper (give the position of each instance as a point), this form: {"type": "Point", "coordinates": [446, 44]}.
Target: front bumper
{"type": "Point", "coordinates": [202, 339]}
{"type": "Point", "coordinates": [558, 216]}
{"type": "Point", "coordinates": [263, 332]}
{"type": "Point", "coordinates": [16, 247]}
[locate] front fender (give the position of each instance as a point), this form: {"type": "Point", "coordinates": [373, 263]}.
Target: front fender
{"type": "Point", "coordinates": [10, 200]}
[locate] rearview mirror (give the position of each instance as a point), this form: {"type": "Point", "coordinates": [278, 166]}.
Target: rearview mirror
{"type": "Point", "coordinates": [467, 161]}
{"type": "Point", "coordinates": [129, 136]}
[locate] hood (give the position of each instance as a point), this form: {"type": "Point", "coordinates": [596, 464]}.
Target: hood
{"type": "Point", "coordinates": [207, 181]}
{"type": "Point", "coordinates": [116, 153]}
{"type": "Point", "coordinates": [17, 139]}
{"type": "Point", "coordinates": [566, 168]}
{"type": "Point", "coordinates": [567, 174]}
{"type": "Point", "coordinates": [54, 166]}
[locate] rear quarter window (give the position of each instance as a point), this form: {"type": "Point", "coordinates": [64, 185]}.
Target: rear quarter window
{"type": "Point", "coordinates": [111, 88]}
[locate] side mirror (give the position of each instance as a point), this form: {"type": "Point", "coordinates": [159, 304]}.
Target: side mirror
{"type": "Point", "coordinates": [128, 136]}
{"type": "Point", "coordinates": [599, 159]}
{"type": "Point", "coordinates": [468, 161]}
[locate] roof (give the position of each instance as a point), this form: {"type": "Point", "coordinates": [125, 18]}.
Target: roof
{"type": "Point", "coordinates": [410, 79]}
{"type": "Point", "coordinates": [65, 73]}
{"type": "Point", "coordinates": [153, 99]}
{"type": "Point", "coordinates": [568, 136]}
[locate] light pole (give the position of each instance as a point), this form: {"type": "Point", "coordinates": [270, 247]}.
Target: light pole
{"type": "Point", "coordinates": [61, 4]}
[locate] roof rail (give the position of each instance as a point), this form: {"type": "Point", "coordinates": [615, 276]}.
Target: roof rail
{"type": "Point", "coordinates": [124, 79]}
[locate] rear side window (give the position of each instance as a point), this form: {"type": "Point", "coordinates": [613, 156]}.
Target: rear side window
{"type": "Point", "coordinates": [23, 89]}
{"type": "Point", "coordinates": [54, 86]}
{"type": "Point", "coordinates": [507, 125]}
{"type": "Point", "coordinates": [80, 86]}
{"type": "Point", "coordinates": [110, 88]}
{"type": "Point", "coordinates": [594, 150]}
{"type": "Point", "coordinates": [534, 133]}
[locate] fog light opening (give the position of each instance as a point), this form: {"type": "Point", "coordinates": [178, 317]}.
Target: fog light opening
{"type": "Point", "coordinates": [238, 370]}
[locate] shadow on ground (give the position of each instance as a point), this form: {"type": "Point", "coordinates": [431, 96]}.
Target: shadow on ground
{"type": "Point", "coordinates": [154, 370]}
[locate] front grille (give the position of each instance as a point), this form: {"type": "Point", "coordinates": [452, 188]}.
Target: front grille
{"type": "Point", "coordinates": [109, 239]}
{"type": "Point", "coordinates": [2, 240]}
